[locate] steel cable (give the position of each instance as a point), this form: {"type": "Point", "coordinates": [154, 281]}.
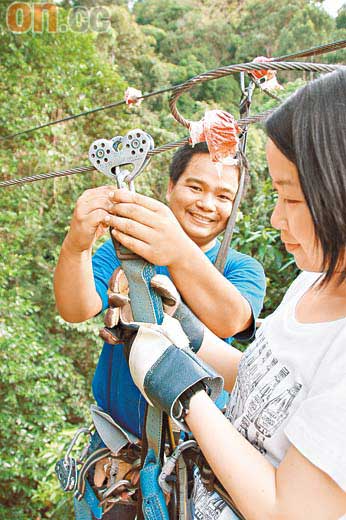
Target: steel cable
{"type": "Point", "coordinates": [49, 175]}
{"type": "Point", "coordinates": [314, 51]}
{"type": "Point", "coordinates": [178, 91]}
{"type": "Point", "coordinates": [87, 112]}
{"type": "Point", "coordinates": [84, 169]}
{"type": "Point", "coordinates": [222, 72]}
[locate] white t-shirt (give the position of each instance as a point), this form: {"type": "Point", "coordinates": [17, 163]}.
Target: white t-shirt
{"type": "Point", "coordinates": [290, 389]}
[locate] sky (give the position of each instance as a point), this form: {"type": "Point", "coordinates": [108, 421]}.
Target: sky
{"type": "Point", "coordinates": [332, 6]}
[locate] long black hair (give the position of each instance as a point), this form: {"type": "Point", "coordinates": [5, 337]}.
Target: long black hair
{"type": "Point", "coordinates": [309, 128]}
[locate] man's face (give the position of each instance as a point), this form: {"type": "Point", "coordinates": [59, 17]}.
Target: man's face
{"type": "Point", "coordinates": [202, 200]}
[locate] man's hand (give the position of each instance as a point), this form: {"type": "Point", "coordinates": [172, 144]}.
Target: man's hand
{"type": "Point", "coordinates": [74, 286]}
{"type": "Point", "coordinates": [175, 307]}
{"type": "Point", "coordinates": [91, 218]}
{"type": "Point", "coordinates": [147, 227]}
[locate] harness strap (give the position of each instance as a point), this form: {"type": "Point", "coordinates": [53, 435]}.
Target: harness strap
{"type": "Point", "coordinates": [153, 500]}
{"type": "Point", "coordinates": [154, 428]}
{"type": "Point", "coordinates": [112, 434]}
{"type": "Point", "coordinates": [222, 253]}
{"type": "Point", "coordinates": [182, 485]}
{"type": "Point", "coordinates": [194, 456]}
{"type": "Point", "coordinates": [82, 482]}
{"type": "Point", "coordinates": [147, 307]}
{"type": "Point", "coordinates": [88, 505]}
{"type": "Point", "coordinates": [226, 497]}
{"type": "Point", "coordinates": [82, 510]}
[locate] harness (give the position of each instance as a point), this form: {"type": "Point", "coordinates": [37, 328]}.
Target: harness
{"type": "Point", "coordinates": [110, 157]}
{"type": "Point", "coordinates": [167, 469]}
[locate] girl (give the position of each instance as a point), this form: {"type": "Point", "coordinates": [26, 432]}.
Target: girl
{"type": "Point", "coordinates": [280, 450]}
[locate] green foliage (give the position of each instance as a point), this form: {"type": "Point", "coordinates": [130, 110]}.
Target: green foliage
{"type": "Point", "coordinates": [46, 365]}
{"type": "Point", "coordinates": [340, 21]}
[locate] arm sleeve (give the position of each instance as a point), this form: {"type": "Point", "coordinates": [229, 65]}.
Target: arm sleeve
{"type": "Point", "coordinates": [247, 275]}
{"type": "Point", "coordinates": [318, 428]}
{"type": "Point", "coordinates": [104, 262]}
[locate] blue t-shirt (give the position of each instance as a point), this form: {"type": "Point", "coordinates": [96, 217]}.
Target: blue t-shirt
{"type": "Point", "coordinates": [113, 388]}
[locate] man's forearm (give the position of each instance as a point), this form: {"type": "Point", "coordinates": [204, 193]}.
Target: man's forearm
{"type": "Point", "coordinates": [213, 299]}
{"type": "Point", "coordinates": [75, 293]}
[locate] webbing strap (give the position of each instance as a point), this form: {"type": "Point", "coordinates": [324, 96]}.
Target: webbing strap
{"type": "Point", "coordinates": [154, 430]}
{"type": "Point", "coordinates": [82, 510]}
{"type": "Point", "coordinates": [182, 489]}
{"type": "Point", "coordinates": [154, 505]}
{"type": "Point", "coordinates": [88, 505]}
{"type": "Point", "coordinates": [147, 307]}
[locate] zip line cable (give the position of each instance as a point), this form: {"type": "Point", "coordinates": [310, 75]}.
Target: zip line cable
{"type": "Point", "coordinates": [87, 112]}
{"type": "Point", "coordinates": [85, 169]}
{"type": "Point", "coordinates": [178, 90]}
{"type": "Point", "coordinates": [314, 51]}
{"type": "Point", "coordinates": [222, 72]}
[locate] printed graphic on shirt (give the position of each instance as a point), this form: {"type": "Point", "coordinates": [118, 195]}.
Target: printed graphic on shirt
{"type": "Point", "coordinates": [261, 401]}
{"type": "Point", "coordinates": [262, 397]}
{"type": "Point", "coordinates": [208, 505]}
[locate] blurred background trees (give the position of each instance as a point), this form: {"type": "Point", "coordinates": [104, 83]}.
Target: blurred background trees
{"type": "Point", "coordinates": [46, 365]}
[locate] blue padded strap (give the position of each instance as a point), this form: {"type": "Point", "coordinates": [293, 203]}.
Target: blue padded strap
{"type": "Point", "coordinates": [154, 504]}
{"type": "Point", "coordinates": [87, 505]}
{"type": "Point", "coordinates": [146, 304]}
{"type": "Point", "coordinates": [81, 509]}
{"type": "Point", "coordinates": [147, 307]}
{"type": "Point", "coordinates": [93, 501]}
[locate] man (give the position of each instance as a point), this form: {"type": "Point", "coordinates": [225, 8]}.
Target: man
{"type": "Point", "coordinates": [181, 237]}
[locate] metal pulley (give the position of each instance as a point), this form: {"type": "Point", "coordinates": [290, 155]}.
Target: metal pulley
{"type": "Point", "coordinates": [122, 158]}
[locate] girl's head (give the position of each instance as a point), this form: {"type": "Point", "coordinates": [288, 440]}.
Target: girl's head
{"type": "Point", "coordinates": [307, 161]}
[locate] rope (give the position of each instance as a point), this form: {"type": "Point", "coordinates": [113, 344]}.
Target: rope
{"type": "Point", "coordinates": [178, 91]}
{"type": "Point", "coordinates": [314, 51]}
{"type": "Point", "coordinates": [84, 169]}
{"type": "Point", "coordinates": [87, 112]}
{"type": "Point", "coordinates": [243, 67]}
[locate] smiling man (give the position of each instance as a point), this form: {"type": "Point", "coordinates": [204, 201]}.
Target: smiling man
{"type": "Point", "coordinates": [181, 240]}
{"type": "Point", "coordinates": [200, 199]}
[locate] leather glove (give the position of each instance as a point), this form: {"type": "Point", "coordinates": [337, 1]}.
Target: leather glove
{"type": "Point", "coordinates": [119, 312]}
{"type": "Point", "coordinates": [175, 307]}
{"type": "Point", "coordinates": [162, 364]}
{"type": "Point", "coordinates": [166, 371]}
